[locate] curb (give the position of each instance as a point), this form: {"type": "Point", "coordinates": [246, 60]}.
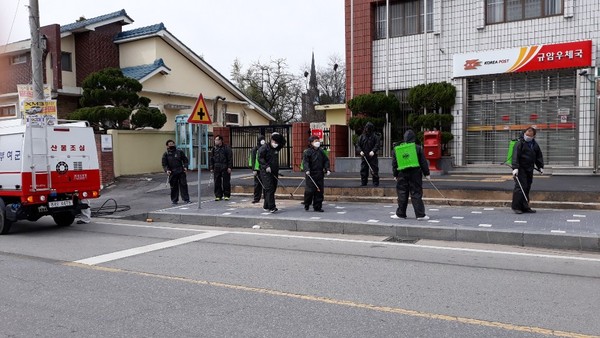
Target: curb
{"type": "Point", "coordinates": [408, 232]}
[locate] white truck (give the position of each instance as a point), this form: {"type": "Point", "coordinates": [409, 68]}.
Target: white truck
{"type": "Point", "coordinates": [46, 168]}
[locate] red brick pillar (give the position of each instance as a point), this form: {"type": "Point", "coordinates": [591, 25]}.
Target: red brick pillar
{"type": "Point", "coordinates": [106, 162]}
{"type": "Point", "coordinates": [300, 134]}
{"type": "Point", "coordinates": [225, 132]}
{"type": "Point", "coordinates": [338, 139]}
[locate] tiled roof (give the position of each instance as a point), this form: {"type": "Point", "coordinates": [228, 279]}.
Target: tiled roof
{"type": "Point", "coordinates": [141, 71]}
{"type": "Point", "coordinates": [81, 24]}
{"type": "Point", "coordinates": [148, 30]}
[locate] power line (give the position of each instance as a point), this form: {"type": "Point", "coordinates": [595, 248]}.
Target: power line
{"type": "Point", "coordinates": [12, 25]}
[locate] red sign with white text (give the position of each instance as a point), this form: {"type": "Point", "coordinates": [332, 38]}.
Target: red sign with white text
{"type": "Point", "coordinates": [577, 54]}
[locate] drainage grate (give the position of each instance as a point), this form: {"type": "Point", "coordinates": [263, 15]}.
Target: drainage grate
{"type": "Point", "coordinates": [396, 239]}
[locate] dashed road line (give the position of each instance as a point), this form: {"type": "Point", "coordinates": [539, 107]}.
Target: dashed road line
{"type": "Point", "coordinates": [485, 225]}
{"type": "Point", "coordinates": [558, 231]}
{"type": "Point", "coordinates": [573, 220]}
{"type": "Point", "coordinates": [373, 221]}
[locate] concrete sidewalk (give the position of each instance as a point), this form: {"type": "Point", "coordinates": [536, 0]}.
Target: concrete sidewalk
{"type": "Point", "coordinates": [475, 220]}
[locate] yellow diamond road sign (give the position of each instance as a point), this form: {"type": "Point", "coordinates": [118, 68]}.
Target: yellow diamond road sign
{"type": "Point", "coordinates": [200, 113]}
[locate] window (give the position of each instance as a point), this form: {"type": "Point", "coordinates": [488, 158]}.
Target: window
{"type": "Point", "coordinates": [406, 18]}
{"type": "Point", "coordinates": [18, 59]}
{"type": "Point", "coordinates": [8, 111]}
{"type": "Point", "coordinates": [65, 61]}
{"type": "Point", "coordinates": [232, 119]}
{"type": "Point", "coordinates": [498, 11]}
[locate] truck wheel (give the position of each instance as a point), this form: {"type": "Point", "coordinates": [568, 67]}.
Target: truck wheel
{"type": "Point", "coordinates": [4, 223]}
{"type": "Point", "coordinates": [64, 219]}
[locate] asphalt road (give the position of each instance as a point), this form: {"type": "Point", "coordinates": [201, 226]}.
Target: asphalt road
{"type": "Point", "coordinates": [131, 279]}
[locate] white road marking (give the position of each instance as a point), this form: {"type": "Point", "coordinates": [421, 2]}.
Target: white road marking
{"type": "Point", "coordinates": [340, 207]}
{"type": "Point", "coordinates": [231, 209]}
{"type": "Point", "coordinates": [388, 206]}
{"type": "Point", "coordinates": [341, 212]}
{"type": "Point", "coordinates": [245, 200]}
{"type": "Point", "coordinates": [345, 240]}
{"type": "Point", "coordinates": [226, 214]}
{"type": "Point", "coordinates": [457, 217]}
{"type": "Point", "coordinates": [394, 216]}
{"type": "Point", "coordinates": [147, 248]}
{"type": "Point", "coordinates": [373, 221]}
{"type": "Point", "coordinates": [581, 216]}
{"type": "Point", "coordinates": [573, 220]}
{"type": "Point", "coordinates": [315, 218]}
{"type": "Point", "coordinates": [483, 225]}
{"type": "Point", "coordinates": [488, 209]}
{"type": "Point", "coordinates": [265, 213]}
{"type": "Point", "coordinates": [182, 208]}
{"type": "Point", "coordinates": [434, 209]}
{"type": "Point", "coordinates": [433, 221]}
{"type": "Point", "coordinates": [520, 221]}
{"type": "Point", "coordinates": [476, 212]}
{"type": "Point", "coordinates": [558, 231]}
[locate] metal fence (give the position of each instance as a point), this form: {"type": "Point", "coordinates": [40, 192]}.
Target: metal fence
{"type": "Point", "coordinates": [243, 139]}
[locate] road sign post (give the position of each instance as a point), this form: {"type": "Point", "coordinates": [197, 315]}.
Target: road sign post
{"type": "Point", "coordinates": [200, 116]}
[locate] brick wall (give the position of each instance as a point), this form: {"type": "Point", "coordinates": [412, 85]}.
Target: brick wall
{"type": "Point", "coordinates": [96, 50]}
{"type": "Point", "coordinates": [300, 134]}
{"type": "Point", "coordinates": [363, 48]}
{"type": "Point", "coordinates": [11, 75]}
{"type": "Point", "coordinates": [106, 161]}
{"type": "Point", "coordinates": [225, 132]}
{"type": "Point", "coordinates": [338, 139]}
{"type": "Point", "coordinates": [53, 53]}
{"type": "Point", "coordinates": [66, 105]}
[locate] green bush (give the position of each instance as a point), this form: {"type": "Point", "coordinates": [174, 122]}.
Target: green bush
{"type": "Point", "coordinates": [148, 117]}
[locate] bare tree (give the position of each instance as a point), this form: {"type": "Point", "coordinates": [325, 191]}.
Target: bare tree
{"type": "Point", "coordinates": [272, 86]}
{"type": "Point", "coordinates": [331, 80]}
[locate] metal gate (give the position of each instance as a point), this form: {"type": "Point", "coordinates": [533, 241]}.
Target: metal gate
{"type": "Point", "coordinates": [243, 139]}
{"type": "Point", "coordinates": [501, 107]}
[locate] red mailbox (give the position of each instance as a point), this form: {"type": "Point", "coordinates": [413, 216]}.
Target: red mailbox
{"type": "Point", "coordinates": [432, 145]}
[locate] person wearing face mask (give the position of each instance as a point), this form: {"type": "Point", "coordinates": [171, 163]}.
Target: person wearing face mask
{"type": "Point", "coordinates": [268, 159]}
{"type": "Point", "coordinates": [368, 146]}
{"type": "Point", "coordinates": [175, 163]}
{"type": "Point", "coordinates": [316, 164]}
{"type": "Point", "coordinates": [526, 156]}
{"type": "Point", "coordinates": [254, 165]}
{"type": "Point", "coordinates": [221, 163]}
{"type": "Point", "coordinates": [408, 167]}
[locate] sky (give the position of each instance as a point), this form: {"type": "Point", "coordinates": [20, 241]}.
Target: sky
{"type": "Point", "coordinates": [218, 30]}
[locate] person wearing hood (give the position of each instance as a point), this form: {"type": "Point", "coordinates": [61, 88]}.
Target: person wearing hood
{"type": "Point", "coordinates": [268, 160]}
{"type": "Point", "coordinates": [254, 165]}
{"type": "Point", "coordinates": [526, 156]}
{"type": "Point", "coordinates": [368, 146]}
{"type": "Point", "coordinates": [221, 164]}
{"type": "Point", "coordinates": [316, 165]}
{"type": "Point", "coordinates": [175, 164]}
{"type": "Point", "coordinates": [409, 165]}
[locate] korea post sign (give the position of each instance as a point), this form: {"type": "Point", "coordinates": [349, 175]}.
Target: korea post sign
{"type": "Point", "coordinates": [577, 54]}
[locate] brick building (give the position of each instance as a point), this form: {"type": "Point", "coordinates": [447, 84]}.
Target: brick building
{"type": "Point", "coordinates": [514, 64]}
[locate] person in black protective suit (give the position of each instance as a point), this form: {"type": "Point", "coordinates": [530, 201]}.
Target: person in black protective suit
{"type": "Point", "coordinates": [316, 165]}
{"type": "Point", "coordinates": [368, 146]}
{"type": "Point", "coordinates": [254, 165]}
{"type": "Point", "coordinates": [175, 164]}
{"type": "Point", "coordinates": [221, 163]}
{"type": "Point", "coordinates": [526, 155]}
{"type": "Point", "coordinates": [408, 166]}
{"type": "Point", "coordinates": [268, 159]}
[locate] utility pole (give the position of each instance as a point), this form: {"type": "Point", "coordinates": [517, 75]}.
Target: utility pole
{"type": "Point", "coordinates": [37, 71]}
